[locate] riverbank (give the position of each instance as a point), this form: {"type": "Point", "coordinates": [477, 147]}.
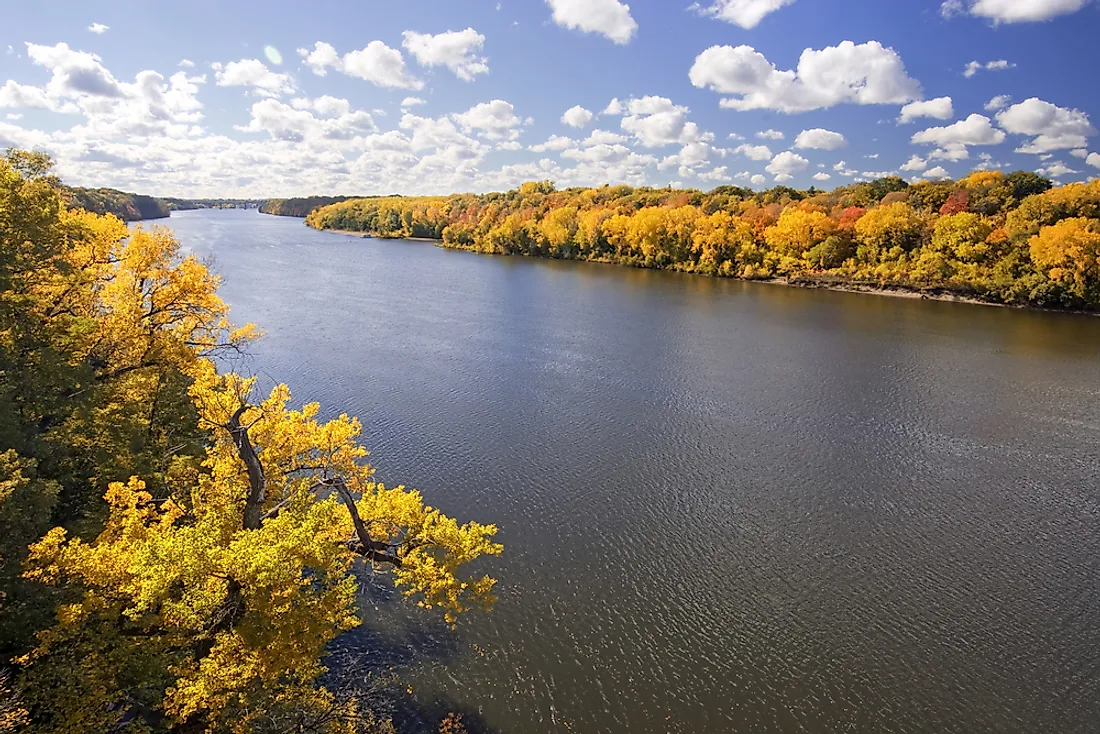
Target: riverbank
{"type": "Point", "coordinates": [815, 282]}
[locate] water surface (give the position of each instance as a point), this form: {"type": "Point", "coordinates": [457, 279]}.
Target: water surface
{"type": "Point", "coordinates": [727, 506]}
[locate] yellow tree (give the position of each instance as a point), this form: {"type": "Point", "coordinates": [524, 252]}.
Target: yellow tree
{"type": "Point", "coordinates": [211, 608]}
{"type": "Point", "coordinates": [1069, 252]}
{"type": "Point", "coordinates": [798, 230]}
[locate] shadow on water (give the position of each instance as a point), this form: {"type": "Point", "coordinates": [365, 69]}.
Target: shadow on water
{"type": "Point", "coordinates": [372, 661]}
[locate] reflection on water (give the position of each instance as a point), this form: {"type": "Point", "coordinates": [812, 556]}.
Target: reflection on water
{"type": "Point", "coordinates": [727, 507]}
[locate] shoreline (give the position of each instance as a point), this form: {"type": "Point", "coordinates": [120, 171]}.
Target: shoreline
{"type": "Point", "coordinates": [808, 283]}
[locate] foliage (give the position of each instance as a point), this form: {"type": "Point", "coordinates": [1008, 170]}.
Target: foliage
{"type": "Point", "coordinates": [971, 236]}
{"type": "Point", "coordinates": [299, 207]}
{"type": "Point", "coordinates": [202, 592]}
{"type": "Point", "coordinates": [127, 207]}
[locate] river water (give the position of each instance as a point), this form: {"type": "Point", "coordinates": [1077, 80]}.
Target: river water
{"type": "Point", "coordinates": [726, 506]}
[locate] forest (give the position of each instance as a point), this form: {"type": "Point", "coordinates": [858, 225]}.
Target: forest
{"type": "Point", "coordinates": [301, 206]}
{"type": "Point", "coordinates": [127, 207]}
{"type": "Point", "coordinates": [178, 548]}
{"type": "Point", "coordinates": [1002, 238]}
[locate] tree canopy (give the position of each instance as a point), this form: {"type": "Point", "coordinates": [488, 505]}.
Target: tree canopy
{"type": "Point", "coordinates": [177, 551]}
{"type": "Point", "coordinates": [990, 235]}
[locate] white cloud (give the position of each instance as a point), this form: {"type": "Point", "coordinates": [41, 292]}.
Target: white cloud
{"type": "Point", "coordinates": [787, 163]}
{"type": "Point", "coordinates": [614, 107]}
{"type": "Point", "coordinates": [867, 73]}
{"type": "Point", "coordinates": [1079, 153]}
{"type": "Point", "coordinates": [75, 73]}
{"type": "Point", "coordinates": [14, 95]}
{"type": "Point", "coordinates": [754, 152]}
{"type": "Point", "coordinates": [939, 108]}
{"type": "Point", "coordinates": [186, 63]}
{"type": "Point", "coordinates": [939, 172]}
{"type": "Point", "coordinates": [1055, 169]}
{"type": "Point", "coordinates": [296, 122]}
{"type": "Point", "coordinates": [822, 176]}
{"type": "Point", "coordinates": [819, 139]}
{"type": "Point", "coordinates": [577, 116]}
{"type": "Point", "coordinates": [509, 145]}
{"type": "Point", "coordinates": [916, 163]}
{"type": "Point", "coordinates": [950, 152]}
{"type": "Point", "coordinates": [974, 130]}
{"type": "Point", "coordinates": [998, 103]}
{"type": "Point", "coordinates": [603, 137]}
{"type": "Point", "coordinates": [495, 120]}
{"type": "Point", "coordinates": [412, 101]}
{"type": "Point", "coordinates": [975, 66]}
{"type": "Point", "coordinates": [322, 56]}
{"type": "Point", "coordinates": [555, 142]}
{"type": "Point", "coordinates": [745, 13]}
{"type": "Point", "coordinates": [608, 17]}
{"type": "Point", "coordinates": [13, 116]}
{"type": "Point", "coordinates": [376, 63]}
{"type": "Point", "coordinates": [721, 173]}
{"type": "Point", "coordinates": [1055, 128]}
{"type": "Point", "coordinates": [1012, 11]}
{"type": "Point", "coordinates": [99, 28]}
{"type": "Point", "coordinates": [253, 73]}
{"type": "Point", "coordinates": [770, 135]}
{"type": "Point", "coordinates": [457, 50]}
{"type": "Point", "coordinates": [1093, 160]}
{"type": "Point", "coordinates": [380, 65]}
{"type": "Point", "coordinates": [843, 170]}
{"type": "Point", "coordinates": [656, 121]}
{"type": "Point", "coordinates": [758, 180]}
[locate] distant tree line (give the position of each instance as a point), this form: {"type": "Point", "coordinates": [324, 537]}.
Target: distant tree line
{"type": "Point", "coordinates": [1006, 238]}
{"type": "Point", "coordinates": [125, 206]}
{"type": "Point", "coordinates": [301, 206]}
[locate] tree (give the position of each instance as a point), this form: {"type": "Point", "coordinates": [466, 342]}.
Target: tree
{"type": "Point", "coordinates": [962, 236]}
{"type": "Point", "coordinates": [798, 231]}
{"type": "Point", "coordinates": [1069, 253]}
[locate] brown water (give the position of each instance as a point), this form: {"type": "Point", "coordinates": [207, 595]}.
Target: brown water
{"type": "Point", "coordinates": [727, 507]}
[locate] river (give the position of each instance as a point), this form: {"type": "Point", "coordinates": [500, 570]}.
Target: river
{"type": "Point", "coordinates": [726, 506]}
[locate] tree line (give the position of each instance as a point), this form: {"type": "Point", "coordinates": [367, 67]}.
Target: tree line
{"type": "Point", "coordinates": [177, 549]}
{"type": "Point", "coordinates": [1005, 238]}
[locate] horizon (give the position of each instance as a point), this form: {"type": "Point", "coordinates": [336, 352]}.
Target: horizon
{"type": "Point", "coordinates": [436, 99]}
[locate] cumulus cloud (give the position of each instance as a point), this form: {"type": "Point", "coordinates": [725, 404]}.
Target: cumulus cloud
{"type": "Point", "coordinates": [822, 176]}
{"type": "Point", "coordinates": [376, 63]}
{"type": "Point", "coordinates": [1079, 153]}
{"type": "Point", "coordinates": [820, 139]}
{"type": "Point", "coordinates": [555, 142]}
{"type": "Point", "coordinates": [412, 101]}
{"type": "Point", "coordinates": [14, 95]}
{"type": "Point", "coordinates": [614, 107]}
{"type": "Point", "coordinates": [74, 73]}
{"type": "Point", "coordinates": [939, 172]}
{"type": "Point", "coordinates": [656, 122]}
{"type": "Point", "coordinates": [577, 116]}
{"type": "Point", "coordinates": [915, 163]}
{"type": "Point", "coordinates": [297, 122]}
{"type": "Point", "coordinates": [99, 28]}
{"type": "Point", "coordinates": [1056, 169]}
{"type": "Point", "coordinates": [953, 139]}
{"type": "Point", "coordinates": [770, 135]}
{"type": "Point", "coordinates": [459, 51]}
{"type": "Point", "coordinates": [1012, 11]}
{"type": "Point", "coordinates": [787, 164]}
{"type": "Point", "coordinates": [864, 74]}
{"type": "Point", "coordinates": [604, 137]}
{"type": "Point", "coordinates": [608, 17]}
{"type": "Point", "coordinates": [720, 173]}
{"type": "Point", "coordinates": [380, 65]}
{"type": "Point", "coordinates": [758, 180]}
{"type": "Point", "coordinates": [745, 13]}
{"type": "Point", "coordinates": [253, 73]}
{"type": "Point", "coordinates": [1055, 128]}
{"type": "Point", "coordinates": [495, 120]}
{"type": "Point", "coordinates": [998, 103]}
{"type": "Point", "coordinates": [1093, 160]}
{"type": "Point", "coordinates": [939, 108]}
{"type": "Point", "coordinates": [975, 66]}
{"type": "Point", "coordinates": [754, 152]}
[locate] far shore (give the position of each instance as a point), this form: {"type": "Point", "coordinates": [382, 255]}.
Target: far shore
{"type": "Point", "coordinates": [811, 282]}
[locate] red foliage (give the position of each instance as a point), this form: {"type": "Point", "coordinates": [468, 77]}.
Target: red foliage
{"type": "Point", "coordinates": [849, 217]}
{"type": "Point", "coordinates": [957, 203]}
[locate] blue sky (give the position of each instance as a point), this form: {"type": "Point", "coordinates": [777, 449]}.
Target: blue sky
{"type": "Point", "coordinates": [435, 96]}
